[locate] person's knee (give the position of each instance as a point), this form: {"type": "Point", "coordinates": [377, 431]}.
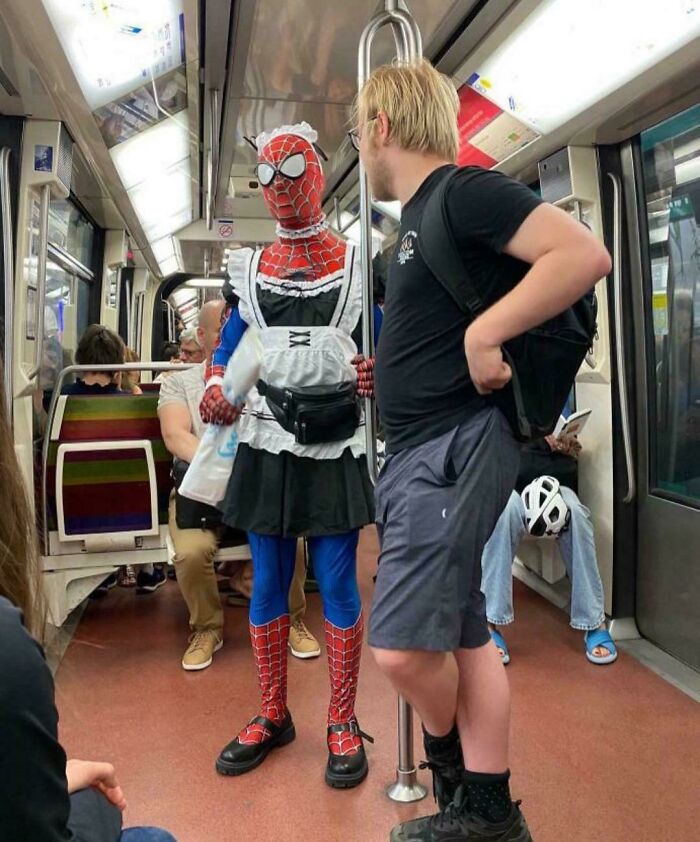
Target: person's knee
{"type": "Point", "coordinates": [396, 664]}
{"type": "Point", "coordinates": [574, 504]}
{"type": "Point", "coordinates": [196, 556]}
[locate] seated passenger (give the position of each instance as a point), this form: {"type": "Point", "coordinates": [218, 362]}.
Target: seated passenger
{"type": "Point", "coordinates": [195, 548]}
{"type": "Point", "coordinates": [101, 346]}
{"type": "Point", "coordinates": [97, 346]}
{"type": "Point", "coordinates": [169, 353]}
{"type": "Point", "coordinates": [43, 798]}
{"type": "Point", "coordinates": [191, 350]}
{"type": "Point", "coordinates": [574, 532]}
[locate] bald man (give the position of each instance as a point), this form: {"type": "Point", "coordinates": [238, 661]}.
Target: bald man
{"type": "Point", "coordinates": [182, 427]}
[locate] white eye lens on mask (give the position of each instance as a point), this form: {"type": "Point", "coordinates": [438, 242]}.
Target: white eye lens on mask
{"type": "Point", "coordinates": [265, 173]}
{"type": "Point", "coordinates": [294, 166]}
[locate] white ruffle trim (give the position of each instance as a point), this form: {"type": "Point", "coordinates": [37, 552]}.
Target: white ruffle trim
{"type": "Point", "coordinates": [301, 233]}
{"type": "Point", "coordinates": [300, 129]}
{"type": "Point", "coordinates": [300, 289]}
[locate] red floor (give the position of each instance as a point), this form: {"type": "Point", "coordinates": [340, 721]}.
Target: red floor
{"type": "Point", "coordinates": [600, 754]}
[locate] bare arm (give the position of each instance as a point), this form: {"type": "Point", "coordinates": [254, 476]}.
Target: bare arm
{"type": "Point", "coordinates": [566, 259]}
{"type": "Point", "coordinates": [176, 429]}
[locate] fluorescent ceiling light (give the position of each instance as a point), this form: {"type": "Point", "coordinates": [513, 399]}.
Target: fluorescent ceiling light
{"type": "Point", "coordinates": [155, 150]}
{"type": "Point", "coordinates": [569, 54]}
{"type": "Point", "coordinates": [113, 47]}
{"type": "Point", "coordinates": [163, 248]}
{"type": "Point", "coordinates": [163, 203]}
{"type": "Point", "coordinates": [205, 283]}
{"type": "Point", "coordinates": [169, 266]}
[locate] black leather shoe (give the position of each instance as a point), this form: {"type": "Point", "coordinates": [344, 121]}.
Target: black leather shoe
{"type": "Point", "coordinates": [238, 758]}
{"type": "Point", "coordinates": [345, 771]}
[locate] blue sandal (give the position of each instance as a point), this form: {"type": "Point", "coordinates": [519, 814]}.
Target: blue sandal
{"type": "Point", "coordinates": [500, 642]}
{"type": "Point", "coordinates": [600, 637]}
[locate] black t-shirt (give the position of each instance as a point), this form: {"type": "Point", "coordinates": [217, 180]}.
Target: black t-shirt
{"type": "Point", "coordinates": [421, 378]}
{"type": "Point", "coordinates": [34, 801]}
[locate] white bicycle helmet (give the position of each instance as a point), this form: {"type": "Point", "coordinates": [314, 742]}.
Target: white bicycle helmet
{"type": "Point", "coordinates": [546, 513]}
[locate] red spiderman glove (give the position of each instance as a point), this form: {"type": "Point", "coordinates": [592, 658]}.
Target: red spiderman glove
{"type": "Point", "coordinates": [365, 375]}
{"type": "Point", "coordinates": [215, 409]}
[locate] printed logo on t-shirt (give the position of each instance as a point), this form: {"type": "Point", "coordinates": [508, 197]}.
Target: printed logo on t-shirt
{"type": "Point", "coordinates": [406, 249]}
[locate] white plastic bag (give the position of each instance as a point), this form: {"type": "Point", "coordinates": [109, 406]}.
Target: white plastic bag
{"type": "Point", "coordinates": [208, 474]}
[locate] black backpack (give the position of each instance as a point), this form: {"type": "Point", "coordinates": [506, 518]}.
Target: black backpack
{"type": "Point", "coordinates": [544, 361]}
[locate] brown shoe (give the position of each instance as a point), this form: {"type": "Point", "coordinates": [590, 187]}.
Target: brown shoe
{"type": "Point", "coordinates": [200, 652]}
{"type": "Point", "coordinates": [302, 643]}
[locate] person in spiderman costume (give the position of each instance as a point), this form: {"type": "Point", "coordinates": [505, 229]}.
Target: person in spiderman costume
{"type": "Point", "coordinates": [303, 292]}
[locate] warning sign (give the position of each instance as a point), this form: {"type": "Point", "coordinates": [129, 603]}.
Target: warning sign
{"type": "Point", "coordinates": [225, 228]}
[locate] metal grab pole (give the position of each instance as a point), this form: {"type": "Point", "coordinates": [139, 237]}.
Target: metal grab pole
{"type": "Point", "coordinates": [406, 788]}
{"type": "Point", "coordinates": [8, 273]}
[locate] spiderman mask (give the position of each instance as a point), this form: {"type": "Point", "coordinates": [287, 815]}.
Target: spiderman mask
{"type": "Point", "coordinates": [292, 181]}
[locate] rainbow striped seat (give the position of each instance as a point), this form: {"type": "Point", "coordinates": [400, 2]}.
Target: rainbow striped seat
{"type": "Point", "coordinates": [108, 470]}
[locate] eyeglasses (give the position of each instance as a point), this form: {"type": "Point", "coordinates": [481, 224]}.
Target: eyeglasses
{"type": "Point", "coordinates": [190, 352]}
{"type": "Point", "coordinates": [354, 134]}
{"type": "Point", "coordinates": [292, 167]}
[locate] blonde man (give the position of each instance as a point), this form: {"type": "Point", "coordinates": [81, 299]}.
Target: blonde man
{"type": "Point", "coordinates": [451, 457]}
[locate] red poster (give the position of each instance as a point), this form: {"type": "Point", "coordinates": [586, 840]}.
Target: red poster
{"type": "Point", "coordinates": [475, 112]}
{"type": "Point", "coordinates": [471, 156]}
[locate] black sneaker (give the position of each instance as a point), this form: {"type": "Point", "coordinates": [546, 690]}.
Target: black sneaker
{"type": "Point", "coordinates": [445, 760]}
{"type": "Point", "coordinates": [105, 587]}
{"type": "Point", "coordinates": [456, 823]}
{"type": "Point", "coordinates": [150, 582]}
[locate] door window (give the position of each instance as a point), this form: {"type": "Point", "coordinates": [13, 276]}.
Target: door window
{"type": "Point", "coordinates": [671, 163]}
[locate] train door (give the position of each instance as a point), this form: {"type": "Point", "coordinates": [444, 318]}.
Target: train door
{"type": "Point", "coordinates": [661, 178]}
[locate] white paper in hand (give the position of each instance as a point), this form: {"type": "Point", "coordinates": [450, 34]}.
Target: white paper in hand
{"type": "Point", "coordinates": [207, 477]}
{"type": "Point", "coordinates": [243, 369]}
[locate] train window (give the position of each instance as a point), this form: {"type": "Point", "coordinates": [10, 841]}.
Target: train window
{"type": "Point", "coordinates": [68, 281]}
{"type": "Point", "coordinates": [671, 162]}
{"type": "Point", "coordinates": [70, 230]}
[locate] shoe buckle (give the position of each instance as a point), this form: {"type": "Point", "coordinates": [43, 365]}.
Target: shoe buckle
{"type": "Point", "coordinates": [355, 729]}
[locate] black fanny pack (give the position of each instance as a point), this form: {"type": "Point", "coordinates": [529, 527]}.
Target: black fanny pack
{"type": "Point", "coordinates": [315, 414]}
{"type": "Point", "coordinates": [190, 514]}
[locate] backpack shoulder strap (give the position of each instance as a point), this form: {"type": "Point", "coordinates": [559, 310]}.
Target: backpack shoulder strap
{"type": "Point", "coordinates": [440, 253]}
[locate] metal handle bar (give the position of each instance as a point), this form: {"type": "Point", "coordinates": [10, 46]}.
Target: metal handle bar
{"type": "Point", "coordinates": [213, 163]}
{"type": "Point", "coordinates": [619, 341]}
{"type": "Point", "coordinates": [8, 272]}
{"type": "Point", "coordinates": [409, 47]}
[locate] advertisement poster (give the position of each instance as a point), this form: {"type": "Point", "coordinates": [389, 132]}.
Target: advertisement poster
{"type": "Point", "coordinates": [488, 135]}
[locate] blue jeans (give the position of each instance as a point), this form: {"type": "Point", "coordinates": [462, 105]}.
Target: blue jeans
{"type": "Point", "coordinates": [577, 548]}
{"type": "Point", "coordinates": [146, 834]}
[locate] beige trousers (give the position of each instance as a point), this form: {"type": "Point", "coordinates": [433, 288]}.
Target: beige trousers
{"type": "Point", "coordinates": [194, 564]}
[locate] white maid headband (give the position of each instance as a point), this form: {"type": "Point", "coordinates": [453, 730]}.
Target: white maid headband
{"type": "Point", "coordinates": [300, 129]}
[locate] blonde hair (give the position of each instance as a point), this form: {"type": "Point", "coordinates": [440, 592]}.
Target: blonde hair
{"type": "Point", "coordinates": [20, 576]}
{"type": "Point", "coordinates": [128, 381]}
{"type": "Point", "coordinates": [420, 102]}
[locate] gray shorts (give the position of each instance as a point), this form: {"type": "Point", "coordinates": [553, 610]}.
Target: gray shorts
{"type": "Point", "coordinates": [436, 507]}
